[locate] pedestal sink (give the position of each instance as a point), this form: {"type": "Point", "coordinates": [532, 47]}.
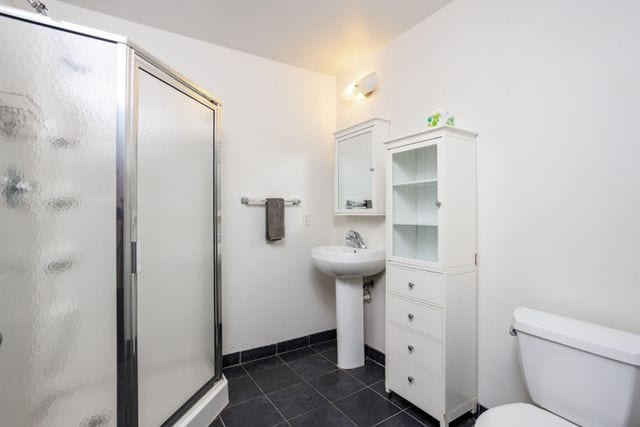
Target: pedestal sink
{"type": "Point", "coordinates": [349, 265]}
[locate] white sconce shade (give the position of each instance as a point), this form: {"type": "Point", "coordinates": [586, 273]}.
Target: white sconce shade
{"type": "Point", "coordinates": [360, 88]}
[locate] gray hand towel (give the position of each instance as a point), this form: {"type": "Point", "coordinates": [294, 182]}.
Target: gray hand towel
{"type": "Point", "coordinates": [275, 219]}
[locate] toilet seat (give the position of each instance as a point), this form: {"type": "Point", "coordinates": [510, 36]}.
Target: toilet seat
{"type": "Point", "coordinates": [521, 415]}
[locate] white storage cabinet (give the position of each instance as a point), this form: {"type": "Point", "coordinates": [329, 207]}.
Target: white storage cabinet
{"type": "Point", "coordinates": [431, 272]}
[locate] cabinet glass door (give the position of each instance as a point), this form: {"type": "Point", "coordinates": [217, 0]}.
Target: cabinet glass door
{"type": "Point", "coordinates": [415, 203]}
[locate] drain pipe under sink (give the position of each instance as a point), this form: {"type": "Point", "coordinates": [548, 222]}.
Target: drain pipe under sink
{"type": "Point", "coordinates": [367, 284]}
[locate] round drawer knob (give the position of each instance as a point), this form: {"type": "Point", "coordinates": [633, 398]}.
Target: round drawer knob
{"type": "Point", "coordinates": [410, 316]}
{"type": "Point", "coordinates": [411, 285]}
{"type": "Point", "coordinates": [410, 347]}
{"type": "Point", "coordinates": [410, 379]}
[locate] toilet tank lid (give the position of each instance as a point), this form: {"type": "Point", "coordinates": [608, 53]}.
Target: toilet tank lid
{"type": "Point", "coordinates": [611, 343]}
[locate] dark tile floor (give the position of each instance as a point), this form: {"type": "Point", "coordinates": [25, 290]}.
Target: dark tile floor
{"type": "Point", "coordinates": [304, 387]}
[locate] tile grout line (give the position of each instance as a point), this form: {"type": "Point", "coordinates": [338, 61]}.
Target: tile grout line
{"type": "Point", "coordinates": [387, 419]}
{"type": "Point", "coordinates": [322, 342]}
{"type": "Point", "coordinates": [266, 357]}
{"type": "Point", "coordinates": [419, 422]}
{"type": "Point", "coordinates": [330, 403]}
{"type": "Point", "coordinates": [397, 406]}
{"type": "Point", "coordinates": [246, 374]}
{"type": "Point", "coordinates": [278, 410]}
{"type": "Point", "coordinates": [384, 397]}
{"type": "Point", "coordinates": [326, 351]}
{"type": "Point", "coordinates": [240, 403]}
{"type": "Point", "coordinates": [277, 353]}
{"type": "Point", "coordinates": [370, 387]}
{"type": "Point", "coordinates": [375, 361]}
{"type": "Point", "coordinates": [400, 410]}
{"type": "Point", "coordinates": [323, 396]}
{"type": "Point", "coordinates": [305, 381]}
{"type": "Point", "coordinates": [346, 371]}
{"type": "Point", "coordinates": [287, 387]}
{"type": "Point", "coordinates": [345, 415]}
{"type": "Point", "coordinates": [267, 397]}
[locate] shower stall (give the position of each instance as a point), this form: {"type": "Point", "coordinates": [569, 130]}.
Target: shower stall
{"type": "Point", "coordinates": [109, 233]}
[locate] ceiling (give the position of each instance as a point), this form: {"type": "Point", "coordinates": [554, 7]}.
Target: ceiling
{"type": "Point", "coordinates": [322, 35]}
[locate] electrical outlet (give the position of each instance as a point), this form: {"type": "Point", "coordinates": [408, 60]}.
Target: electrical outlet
{"type": "Point", "coordinates": [306, 218]}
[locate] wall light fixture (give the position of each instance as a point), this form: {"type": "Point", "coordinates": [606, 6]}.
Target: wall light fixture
{"type": "Point", "coordinates": [361, 88]}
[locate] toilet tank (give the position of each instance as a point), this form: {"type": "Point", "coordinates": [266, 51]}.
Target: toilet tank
{"type": "Point", "coordinates": [585, 373]}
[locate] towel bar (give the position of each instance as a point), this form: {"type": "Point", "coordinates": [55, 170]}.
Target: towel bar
{"type": "Point", "coordinates": [262, 201]}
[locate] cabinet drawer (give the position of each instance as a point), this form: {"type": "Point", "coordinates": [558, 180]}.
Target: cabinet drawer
{"type": "Point", "coordinates": [414, 383]}
{"type": "Point", "coordinates": [416, 284]}
{"type": "Point", "coordinates": [415, 349]}
{"type": "Point", "coordinates": [421, 318]}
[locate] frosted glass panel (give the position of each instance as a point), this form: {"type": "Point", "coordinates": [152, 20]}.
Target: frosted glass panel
{"type": "Point", "coordinates": [175, 228]}
{"type": "Point", "coordinates": [57, 228]}
{"type": "Point", "coordinates": [354, 170]}
{"type": "Point", "coordinates": [415, 199]}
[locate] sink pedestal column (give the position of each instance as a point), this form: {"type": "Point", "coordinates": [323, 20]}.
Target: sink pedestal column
{"type": "Point", "coordinates": [350, 322]}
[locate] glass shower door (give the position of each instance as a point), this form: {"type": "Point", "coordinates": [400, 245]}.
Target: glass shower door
{"type": "Point", "coordinates": [175, 230]}
{"type": "Point", "coordinates": [57, 227]}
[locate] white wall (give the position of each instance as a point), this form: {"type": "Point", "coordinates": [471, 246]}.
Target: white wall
{"type": "Point", "coordinates": [552, 88]}
{"type": "Point", "coordinates": [276, 130]}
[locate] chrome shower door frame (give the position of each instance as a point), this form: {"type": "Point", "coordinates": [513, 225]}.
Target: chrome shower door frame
{"type": "Point", "coordinates": [132, 60]}
{"type": "Point", "coordinates": [125, 195]}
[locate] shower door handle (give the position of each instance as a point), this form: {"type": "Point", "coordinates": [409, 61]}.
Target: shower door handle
{"type": "Point", "coordinates": [136, 259]}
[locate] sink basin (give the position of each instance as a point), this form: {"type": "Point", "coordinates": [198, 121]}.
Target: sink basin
{"type": "Point", "coordinates": [346, 262]}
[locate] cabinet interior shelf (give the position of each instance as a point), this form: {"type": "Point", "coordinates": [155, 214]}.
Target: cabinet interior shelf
{"type": "Point", "coordinates": [406, 223]}
{"type": "Point", "coordinates": [415, 184]}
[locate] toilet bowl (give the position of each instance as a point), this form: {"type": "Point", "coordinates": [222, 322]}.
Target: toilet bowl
{"type": "Point", "coordinates": [577, 373]}
{"type": "Point", "coordinates": [521, 415]}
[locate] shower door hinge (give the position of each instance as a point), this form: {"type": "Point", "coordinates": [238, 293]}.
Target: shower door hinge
{"type": "Point", "coordinates": [475, 261]}
{"type": "Point", "coordinates": [135, 257]}
{"type": "Point", "coordinates": [39, 7]}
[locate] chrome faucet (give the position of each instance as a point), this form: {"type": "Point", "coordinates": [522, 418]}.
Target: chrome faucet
{"type": "Point", "coordinates": [354, 239]}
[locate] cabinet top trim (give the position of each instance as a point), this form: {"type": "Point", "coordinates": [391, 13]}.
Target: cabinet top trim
{"type": "Point", "coordinates": [435, 133]}
{"type": "Point", "coordinates": [359, 126]}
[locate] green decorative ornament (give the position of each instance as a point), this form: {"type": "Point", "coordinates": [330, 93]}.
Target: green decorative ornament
{"type": "Point", "coordinates": [432, 121]}
{"type": "Point", "coordinates": [438, 118]}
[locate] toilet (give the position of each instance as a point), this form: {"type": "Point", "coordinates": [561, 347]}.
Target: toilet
{"type": "Point", "coordinates": [577, 373]}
